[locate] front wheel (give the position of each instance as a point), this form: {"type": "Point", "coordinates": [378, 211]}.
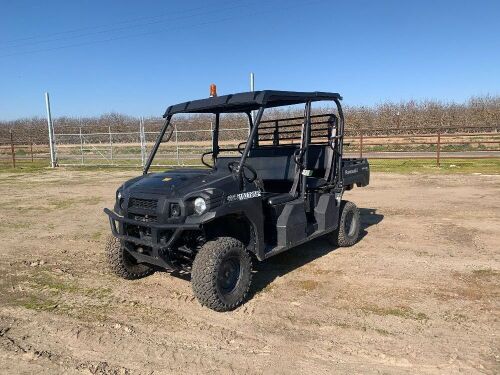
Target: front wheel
{"type": "Point", "coordinates": [222, 274]}
{"type": "Point", "coordinates": [122, 263]}
{"type": "Point", "coordinates": [347, 233]}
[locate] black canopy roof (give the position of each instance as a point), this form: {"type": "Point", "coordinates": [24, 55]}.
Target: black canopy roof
{"type": "Point", "coordinates": [248, 101]}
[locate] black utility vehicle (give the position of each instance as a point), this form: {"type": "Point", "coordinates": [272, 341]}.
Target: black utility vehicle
{"type": "Point", "coordinates": [283, 190]}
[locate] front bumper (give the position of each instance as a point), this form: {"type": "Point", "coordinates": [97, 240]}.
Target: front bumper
{"type": "Point", "coordinates": [156, 241]}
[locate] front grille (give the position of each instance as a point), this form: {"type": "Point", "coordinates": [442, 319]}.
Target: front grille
{"type": "Point", "coordinates": [145, 218]}
{"type": "Point", "coordinates": [143, 204]}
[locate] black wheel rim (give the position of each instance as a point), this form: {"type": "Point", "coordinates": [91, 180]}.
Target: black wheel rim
{"type": "Point", "coordinates": [228, 275]}
{"type": "Point", "coordinates": [350, 224]}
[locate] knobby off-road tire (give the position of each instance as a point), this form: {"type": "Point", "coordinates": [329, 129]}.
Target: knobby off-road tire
{"type": "Point", "coordinates": [122, 263]}
{"type": "Point", "coordinates": [347, 233]}
{"type": "Point", "coordinates": [221, 274]}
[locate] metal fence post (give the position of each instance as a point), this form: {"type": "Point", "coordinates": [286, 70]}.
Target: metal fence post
{"type": "Point", "coordinates": [145, 141]}
{"type": "Point", "coordinates": [140, 142]}
{"type": "Point", "coordinates": [53, 160]}
{"type": "Point", "coordinates": [110, 145]}
{"type": "Point", "coordinates": [211, 132]}
{"type": "Point", "coordinates": [360, 143]}
{"type": "Point", "coordinates": [31, 150]}
{"type": "Point", "coordinates": [13, 152]}
{"type": "Point", "coordinates": [438, 149]}
{"type": "Point", "coordinates": [81, 146]}
{"type": "Point", "coordinates": [176, 145]}
{"type": "Point", "coordinates": [141, 139]}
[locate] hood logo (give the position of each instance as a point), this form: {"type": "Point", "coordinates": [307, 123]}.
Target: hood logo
{"type": "Point", "coordinates": [167, 179]}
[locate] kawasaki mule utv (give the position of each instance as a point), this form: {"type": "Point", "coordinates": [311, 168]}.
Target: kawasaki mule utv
{"type": "Point", "coordinates": [279, 189]}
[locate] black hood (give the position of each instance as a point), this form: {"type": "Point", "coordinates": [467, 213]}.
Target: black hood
{"type": "Point", "coordinates": [176, 183]}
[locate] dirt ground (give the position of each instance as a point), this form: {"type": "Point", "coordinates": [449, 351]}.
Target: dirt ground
{"type": "Point", "coordinates": [418, 294]}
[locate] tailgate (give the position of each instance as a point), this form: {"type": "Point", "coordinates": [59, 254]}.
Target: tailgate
{"type": "Point", "coordinates": [355, 171]}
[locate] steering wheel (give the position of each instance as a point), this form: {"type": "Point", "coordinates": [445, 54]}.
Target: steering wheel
{"type": "Point", "coordinates": [234, 165]}
{"type": "Point", "coordinates": [203, 158]}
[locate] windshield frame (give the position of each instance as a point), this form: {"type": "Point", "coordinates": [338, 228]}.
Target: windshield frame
{"type": "Point", "coordinates": [252, 135]}
{"type": "Point", "coordinates": [215, 136]}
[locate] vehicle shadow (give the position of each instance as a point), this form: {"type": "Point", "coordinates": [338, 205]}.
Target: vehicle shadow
{"type": "Point", "coordinates": [266, 272]}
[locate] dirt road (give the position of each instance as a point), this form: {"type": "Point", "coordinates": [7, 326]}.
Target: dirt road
{"type": "Point", "coordinates": [419, 294]}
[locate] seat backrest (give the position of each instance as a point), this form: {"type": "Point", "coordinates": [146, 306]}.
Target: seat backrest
{"type": "Point", "coordinates": [273, 163]}
{"type": "Point", "coordinates": [316, 159]}
{"type": "Point", "coordinates": [276, 163]}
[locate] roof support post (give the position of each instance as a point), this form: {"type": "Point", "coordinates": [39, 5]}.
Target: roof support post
{"type": "Point", "coordinates": [307, 140]}
{"type": "Point", "coordinates": [250, 122]}
{"type": "Point", "coordinates": [250, 126]}
{"type": "Point", "coordinates": [339, 146]}
{"type": "Point", "coordinates": [251, 137]}
{"type": "Point", "coordinates": [276, 136]}
{"type": "Point", "coordinates": [157, 144]}
{"type": "Point", "coordinates": [215, 137]}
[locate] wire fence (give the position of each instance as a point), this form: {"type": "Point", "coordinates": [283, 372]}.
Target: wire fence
{"type": "Point", "coordinates": [438, 146]}
{"type": "Point", "coordinates": [18, 153]}
{"type": "Point", "coordinates": [131, 148]}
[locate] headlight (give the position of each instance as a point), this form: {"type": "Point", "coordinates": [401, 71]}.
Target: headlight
{"type": "Point", "coordinates": [200, 205]}
{"type": "Point", "coordinates": [119, 198]}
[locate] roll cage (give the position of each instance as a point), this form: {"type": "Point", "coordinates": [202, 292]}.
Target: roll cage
{"type": "Point", "coordinates": [272, 133]}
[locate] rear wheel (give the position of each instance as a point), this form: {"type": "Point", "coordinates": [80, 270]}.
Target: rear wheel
{"type": "Point", "coordinates": [122, 263]}
{"type": "Point", "coordinates": [222, 274]}
{"type": "Point", "coordinates": [347, 233]}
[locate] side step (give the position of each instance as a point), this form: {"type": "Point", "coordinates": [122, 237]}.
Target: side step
{"type": "Point", "coordinates": [279, 249]}
{"type": "Point", "coordinates": [292, 223]}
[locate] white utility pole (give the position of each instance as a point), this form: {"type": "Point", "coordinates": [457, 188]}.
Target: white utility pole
{"type": "Point", "coordinates": [53, 160]}
{"type": "Point", "coordinates": [252, 82]}
{"type": "Point", "coordinates": [252, 88]}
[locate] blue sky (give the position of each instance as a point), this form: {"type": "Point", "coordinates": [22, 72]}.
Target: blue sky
{"type": "Point", "coordinates": [137, 57]}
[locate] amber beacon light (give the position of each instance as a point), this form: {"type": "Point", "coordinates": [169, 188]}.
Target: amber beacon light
{"type": "Point", "coordinates": [213, 90]}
